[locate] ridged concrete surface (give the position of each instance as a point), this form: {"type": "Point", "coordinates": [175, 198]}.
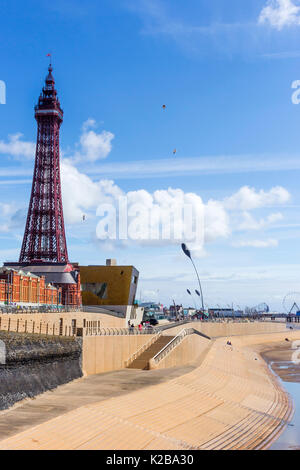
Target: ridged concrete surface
{"type": "Point", "coordinates": [231, 401]}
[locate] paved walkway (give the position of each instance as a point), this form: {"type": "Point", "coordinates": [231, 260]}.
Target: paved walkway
{"type": "Point", "coordinates": [85, 391]}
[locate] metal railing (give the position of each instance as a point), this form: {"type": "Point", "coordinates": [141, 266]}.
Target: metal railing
{"type": "Point", "coordinates": [97, 331]}
{"type": "Point", "coordinates": [38, 309]}
{"type": "Point", "coordinates": [173, 325]}
{"type": "Point", "coordinates": [143, 348]}
{"type": "Point", "coordinates": [172, 344]}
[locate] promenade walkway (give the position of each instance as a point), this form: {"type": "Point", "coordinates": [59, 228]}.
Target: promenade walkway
{"type": "Point", "coordinates": [231, 401]}
{"type": "Point", "coordinates": [85, 391]}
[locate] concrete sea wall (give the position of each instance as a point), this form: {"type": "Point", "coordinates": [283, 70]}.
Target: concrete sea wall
{"type": "Point", "coordinates": [35, 365]}
{"type": "Point", "coordinates": [107, 353]}
{"type": "Point", "coordinates": [58, 321]}
{"type": "Point", "coordinates": [218, 330]}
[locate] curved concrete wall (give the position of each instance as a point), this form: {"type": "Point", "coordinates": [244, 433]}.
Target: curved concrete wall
{"type": "Point", "coordinates": [231, 401]}
{"type": "Point", "coordinates": [108, 353]}
{"type": "Point", "coordinates": [215, 330]}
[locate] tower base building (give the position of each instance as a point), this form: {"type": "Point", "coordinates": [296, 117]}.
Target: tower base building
{"type": "Point", "coordinates": [62, 276]}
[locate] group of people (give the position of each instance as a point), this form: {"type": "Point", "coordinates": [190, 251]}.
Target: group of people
{"type": "Point", "coordinates": [131, 326]}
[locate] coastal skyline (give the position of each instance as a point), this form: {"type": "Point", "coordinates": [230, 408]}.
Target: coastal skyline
{"type": "Point", "coordinates": [224, 74]}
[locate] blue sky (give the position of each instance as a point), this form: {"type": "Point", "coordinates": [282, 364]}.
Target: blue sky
{"type": "Point", "coordinates": [225, 73]}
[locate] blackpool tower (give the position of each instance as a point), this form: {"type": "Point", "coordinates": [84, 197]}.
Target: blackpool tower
{"type": "Point", "coordinates": [44, 249]}
{"type": "Point", "coordinates": [44, 237]}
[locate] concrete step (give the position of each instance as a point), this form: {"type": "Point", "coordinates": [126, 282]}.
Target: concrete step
{"type": "Point", "coordinates": [142, 361]}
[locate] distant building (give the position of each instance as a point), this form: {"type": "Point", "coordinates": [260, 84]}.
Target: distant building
{"type": "Point", "coordinates": [224, 312]}
{"type": "Point", "coordinates": [175, 310]}
{"type": "Point", "coordinates": [108, 285]}
{"type": "Point", "coordinates": [27, 289]}
{"type": "Point", "coordinates": [61, 275]}
{"type": "Point", "coordinates": [189, 312]}
{"type": "Point", "coordinates": [151, 306]}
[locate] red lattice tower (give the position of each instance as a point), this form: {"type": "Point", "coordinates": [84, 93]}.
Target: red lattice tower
{"type": "Point", "coordinates": [44, 238]}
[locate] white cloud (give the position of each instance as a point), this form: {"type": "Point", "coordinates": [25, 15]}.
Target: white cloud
{"type": "Point", "coordinates": [5, 209]}
{"type": "Point", "coordinates": [4, 228]}
{"type": "Point", "coordinates": [14, 182]}
{"type": "Point", "coordinates": [149, 295]}
{"type": "Point", "coordinates": [280, 13]}
{"type": "Point", "coordinates": [93, 146]}
{"type": "Point", "coordinates": [159, 19]}
{"type": "Point", "coordinates": [203, 165]}
{"type": "Point", "coordinates": [248, 198]}
{"type": "Point", "coordinates": [270, 243]}
{"type": "Point", "coordinates": [81, 194]}
{"type": "Point", "coordinates": [160, 167]}
{"type": "Point", "coordinates": [217, 224]}
{"type": "Point", "coordinates": [9, 255]}
{"type": "Point", "coordinates": [17, 147]}
{"type": "Point", "coordinates": [13, 218]}
{"type": "Point", "coordinates": [250, 223]}
{"type": "Point", "coordinates": [89, 124]}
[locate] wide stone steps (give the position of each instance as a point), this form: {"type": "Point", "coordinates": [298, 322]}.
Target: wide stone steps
{"type": "Point", "coordinates": [142, 361]}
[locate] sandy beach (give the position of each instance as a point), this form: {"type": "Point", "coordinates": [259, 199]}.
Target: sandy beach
{"type": "Point", "coordinates": [280, 360]}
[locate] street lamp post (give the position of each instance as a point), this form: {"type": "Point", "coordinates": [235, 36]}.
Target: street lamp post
{"type": "Point", "coordinates": [187, 252]}
{"type": "Point", "coordinates": [189, 292]}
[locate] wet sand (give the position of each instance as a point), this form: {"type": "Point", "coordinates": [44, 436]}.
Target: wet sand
{"type": "Point", "coordinates": [280, 360]}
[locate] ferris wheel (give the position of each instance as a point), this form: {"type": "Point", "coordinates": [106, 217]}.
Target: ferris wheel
{"type": "Point", "coordinates": [259, 309]}
{"type": "Point", "coordinates": [263, 308]}
{"type": "Point", "coordinates": [291, 302]}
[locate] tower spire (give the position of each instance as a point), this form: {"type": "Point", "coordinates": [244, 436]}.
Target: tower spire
{"type": "Point", "coordinates": [50, 78]}
{"type": "Point", "coordinates": [44, 237]}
